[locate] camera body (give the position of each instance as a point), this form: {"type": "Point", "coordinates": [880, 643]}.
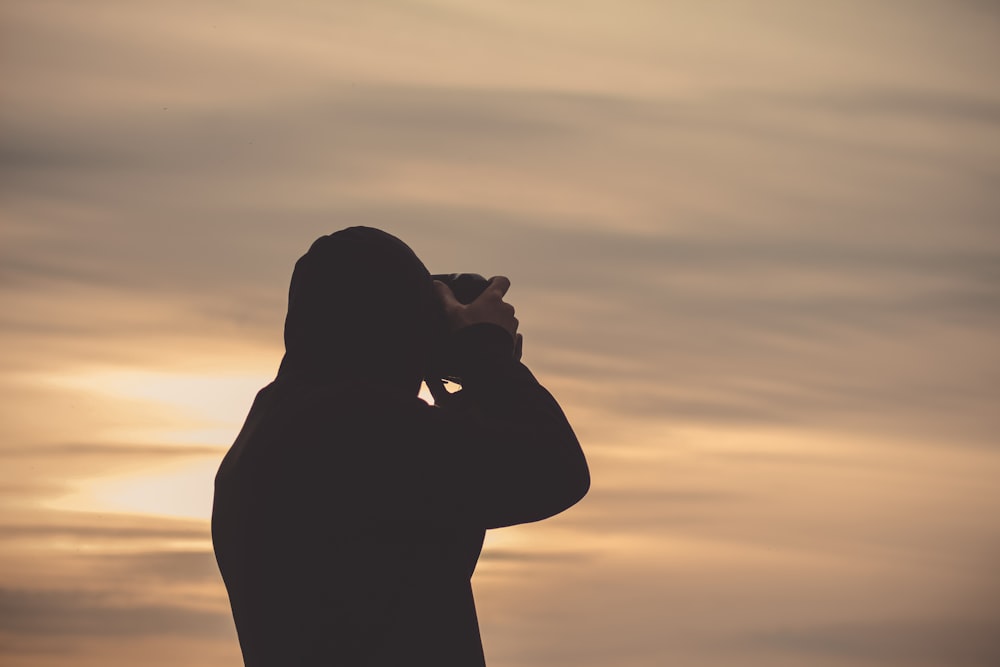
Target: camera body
{"type": "Point", "coordinates": [466, 286]}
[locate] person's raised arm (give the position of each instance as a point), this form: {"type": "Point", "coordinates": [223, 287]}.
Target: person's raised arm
{"type": "Point", "coordinates": [524, 461]}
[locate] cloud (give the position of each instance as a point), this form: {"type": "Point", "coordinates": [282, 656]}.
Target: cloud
{"type": "Point", "coordinates": [903, 103]}
{"type": "Point", "coordinates": [74, 613]}
{"type": "Point", "coordinates": [86, 533]}
{"type": "Point", "coordinates": [519, 556]}
{"type": "Point", "coordinates": [115, 451]}
{"type": "Point", "coordinates": [123, 532]}
{"type": "Point", "coordinates": [944, 640]}
{"type": "Point", "coordinates": [170, 566]}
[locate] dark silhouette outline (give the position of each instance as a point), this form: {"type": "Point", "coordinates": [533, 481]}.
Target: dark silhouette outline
{"type": "Point", "coordinates": [349, 514]}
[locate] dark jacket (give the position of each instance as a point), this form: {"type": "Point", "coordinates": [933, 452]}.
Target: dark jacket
{"type": "Point", "coordinates": [349, 514]}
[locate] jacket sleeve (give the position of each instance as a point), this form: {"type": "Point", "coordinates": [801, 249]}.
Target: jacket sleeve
{"type": "Point", "coordinates": [512, 456]}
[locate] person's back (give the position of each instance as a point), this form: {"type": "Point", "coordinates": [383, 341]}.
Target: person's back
{"type": "Point", "coordinates": [349, 514]}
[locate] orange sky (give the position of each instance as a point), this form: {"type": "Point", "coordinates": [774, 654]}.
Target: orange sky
{"type": "Point", "coordinates": [754, 252]}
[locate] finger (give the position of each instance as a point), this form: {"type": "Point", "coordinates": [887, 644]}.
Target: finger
{"type": "Point", "coordinates": [498, 286]}
{"type": "Point", "coordinates": [447, 297]}
{"type": "Point", "coordinates": [518, 346]}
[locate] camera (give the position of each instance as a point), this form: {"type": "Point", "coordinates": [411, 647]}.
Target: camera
{"type": "Point", "coordinates": [466, 286]}
{"type": "Point", "coordinates": [442, 368]}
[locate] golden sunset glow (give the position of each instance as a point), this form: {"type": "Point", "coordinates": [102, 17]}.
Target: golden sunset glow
{"type": "Point", "coordinates": [753, 249]}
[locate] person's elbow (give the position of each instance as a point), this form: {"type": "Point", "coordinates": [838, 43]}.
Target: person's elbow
{"type": "Point", "coordinates": [549, 495]}
{"type": "Point", "coordinates": [568, 481]}
{"type": "Point", "coordinates": [576, 484]}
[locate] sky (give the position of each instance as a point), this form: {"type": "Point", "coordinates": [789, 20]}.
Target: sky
{"type": "Point", "coordinates": [754, 249]}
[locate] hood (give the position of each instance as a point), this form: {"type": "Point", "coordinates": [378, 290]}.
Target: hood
{"type": "Point", "coordinates": [361, 306]}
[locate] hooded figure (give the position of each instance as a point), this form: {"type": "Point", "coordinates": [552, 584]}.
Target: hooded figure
{"type": "Point", "coordinates": [349, 514]}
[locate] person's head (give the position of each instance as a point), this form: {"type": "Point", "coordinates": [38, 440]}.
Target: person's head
{"type": "Point", "coordinates": [361, 306]}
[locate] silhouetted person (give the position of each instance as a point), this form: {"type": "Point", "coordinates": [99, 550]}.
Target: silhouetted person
{"type": "Point", "coordinates": [349, 514]}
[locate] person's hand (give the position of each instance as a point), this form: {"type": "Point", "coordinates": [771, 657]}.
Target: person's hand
{"type": "Point", "coordinates": [489, 307]}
